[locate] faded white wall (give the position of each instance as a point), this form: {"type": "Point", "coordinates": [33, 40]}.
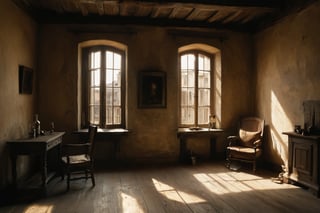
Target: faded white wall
{"type": "Point", "coordinates": [287, 65]}
{"type": "Point", "coordinates": [18, 41]}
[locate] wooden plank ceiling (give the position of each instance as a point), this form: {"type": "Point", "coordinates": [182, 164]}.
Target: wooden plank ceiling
{"type": "Point", "coordinates": [239, 15]}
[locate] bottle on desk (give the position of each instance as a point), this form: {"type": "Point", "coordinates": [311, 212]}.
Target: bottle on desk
{"type": "Point", "coordinates": [52, 127]}
{"type": "Point", "coordinates": [37, 125]}
{"type": "Point", "coordinates": [212, 122]}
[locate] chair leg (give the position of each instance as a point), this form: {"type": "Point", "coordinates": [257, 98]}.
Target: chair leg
{"type": "Point", "coordinates": [228, 163]}
{"type": "Point", "coordinates": [93, 180]}
{"type": "Point", "coordinates": [68, 182]}
{"type": "Point", "coordinates": [62, 176]}
{"type": "Point", "coordinates": [254, 166]}
{"type": "Point", "coordinates": [227, 159]}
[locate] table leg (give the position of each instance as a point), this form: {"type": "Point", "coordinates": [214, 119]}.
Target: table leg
{"type": "Point", "coordinates": [14, 169]}
{"type": "Point", "coordinates": [116, 149]}
{"type": "Point", "coordinates": [44, 170]}
{"type": "Point", "coordinates": [212, 147]}
{"type": "Point", "coordinates": [115, 146]}
{"type": "Point", "coordinates": [60, 169]}
{"type": "Point", "coordinates": [183, 149]}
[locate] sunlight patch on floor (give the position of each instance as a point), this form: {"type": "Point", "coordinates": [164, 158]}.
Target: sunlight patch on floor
{"type": "Point", "coordinates": [130, 204]}
{"type": "Point", "coordinates": [176, 195]}
{"type": "Point", "coordinates": [39, 209]}
{"type": "Point", "coordinates": [230, 182]}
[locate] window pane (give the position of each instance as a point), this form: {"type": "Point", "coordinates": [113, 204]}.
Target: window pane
{"type": "Point", "coordinates": [117, 78]}
{"type": "Point", "coordinates": [187, 61]}
{"type": "Point", "coordinates": [113, 78]}
{"type": "Point", "coordinates": [200, 62]}
{"type": "Point", "coordinates": [184, 79]}
{"type": "Point", "coordinates": [94, 96]}
{"type": "Point", "coordinates": [191, 61]}
{"type": "Point", "coordinates": [203, 115]}
{"type": "Point", "coordinates": [184, 96]}
{"type": "Point", "coordinates": [95, 78]}
{"type": "Point", "coordinates": [207, 63]}
{"type": "Point", "coordinates": [187, 97]}
{"type": "Point", "coordinates": [191, 78]}
{"type": "Point", "coordinates": [117, 115]}
{"type": "Point", "coordinates": [95, 60]}
{"type": "Point", "coordinates": [204, 97]}
{"type": "Point", "coordinates": [109, 97]}
{"type": "Point", "coordinates": [94, 114]}
{"type": "Point", "coordinates": [117, 97]}
{"type": "Point", "coordinates": [108, 115]}
{"type": "Point", "coordinates": [109, 60]}
{"type": "Point", "coordinates": [187, 115]}
{"type": "Point", "coordinates": [117, 61]}
{"type": "Point", "coordinates": [204, 79]}
{"type": "Point", "coordinates": [191, 96]}
{"type": "Point", "coordinates": [184, 62]}
{"type": "Point", "coordinates": [113, 115]}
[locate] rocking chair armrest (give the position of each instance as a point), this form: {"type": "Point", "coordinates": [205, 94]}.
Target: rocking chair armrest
{"type": "Point", "coordinates": [257, 143]}
{"type": "Point", "coordinates": [233, 140]}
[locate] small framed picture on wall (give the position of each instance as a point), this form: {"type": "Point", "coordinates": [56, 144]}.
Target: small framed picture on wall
{"type": "Point", "coordinates": [152, 89]}
{"type": "Point", "coordinates": [25, 80]}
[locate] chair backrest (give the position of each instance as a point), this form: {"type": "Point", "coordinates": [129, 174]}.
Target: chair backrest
{"type": "Point", "coordinates": [250, 130]}
{"type": "Point", "coordinates": [252, 124]}
{"type": "Point", "coordinates": [92, 131]}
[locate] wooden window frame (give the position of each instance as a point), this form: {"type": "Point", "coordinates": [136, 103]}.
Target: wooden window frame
{"type": "Point", "coordinates": [85, 117]}
{"type": "Point", "coordinates": [196, 53]}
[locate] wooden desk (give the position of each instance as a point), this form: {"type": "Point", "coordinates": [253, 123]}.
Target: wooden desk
{"type": "Point", "coordinates": [113, 135]}
{"type": "Point", "coordinates": [35, 146]}
{"type": "Point", "coordinates": [184, 133]}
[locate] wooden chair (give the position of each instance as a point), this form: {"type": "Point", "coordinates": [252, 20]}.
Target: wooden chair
{"type": "Point", "coordinates": [246, 146]}
{"type": "Point", "coordinates": [77, 159]}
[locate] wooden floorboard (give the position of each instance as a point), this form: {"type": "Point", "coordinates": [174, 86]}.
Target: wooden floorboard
{"type": "Point", "coordinates": [205, 187]}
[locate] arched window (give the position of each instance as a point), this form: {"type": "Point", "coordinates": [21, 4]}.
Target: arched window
{"type": "Point", "coordinates": [196, 72]}
{"type": "Point", "coordinates": [103, 86]}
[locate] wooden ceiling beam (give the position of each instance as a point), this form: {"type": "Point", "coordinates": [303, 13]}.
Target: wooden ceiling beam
{"type": "Point", "coordinates": [236, 3]}
{"type": "Point", "coordinates": [193, 14]}
{"type": "Point", "coordinates": [100, 8]}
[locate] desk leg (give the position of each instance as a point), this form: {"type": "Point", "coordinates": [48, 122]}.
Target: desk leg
{"type": "Point", "coordinates": [183, 149]}
{"type": "Point", "coordinates": [14, 169]}
{"type": "Point", "coordinates": [212, 147]}
{"type": "Point", "coordinates": [44, 171]}
{"type": "Point", "coordinates": [59, 162]}
{"type": "Point", "coordinates": [116, 147]}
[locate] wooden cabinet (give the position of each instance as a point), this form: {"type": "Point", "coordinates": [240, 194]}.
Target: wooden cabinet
{"type": "Point", "coordinates": [303, 161]}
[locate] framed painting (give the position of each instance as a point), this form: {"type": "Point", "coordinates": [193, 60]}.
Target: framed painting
{"type": "Point", "coordinates": [152, 89]}
{"type": "Point", "coordinates": [25, 80]}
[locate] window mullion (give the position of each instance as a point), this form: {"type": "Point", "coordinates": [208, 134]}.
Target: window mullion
{"type": "Point", "coordinates": [196, 90]}
{"type": "Point", "coordinates": [103, 90]}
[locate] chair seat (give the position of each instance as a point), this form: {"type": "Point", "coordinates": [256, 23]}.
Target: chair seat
{"type": "Point", "coordinates": [76, 159]}
{"type": "Point", "coordinates": [243, 152]}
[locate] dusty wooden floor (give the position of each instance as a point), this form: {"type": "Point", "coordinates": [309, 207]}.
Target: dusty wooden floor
{"type": "Point", "coordinates": [205, 187]}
